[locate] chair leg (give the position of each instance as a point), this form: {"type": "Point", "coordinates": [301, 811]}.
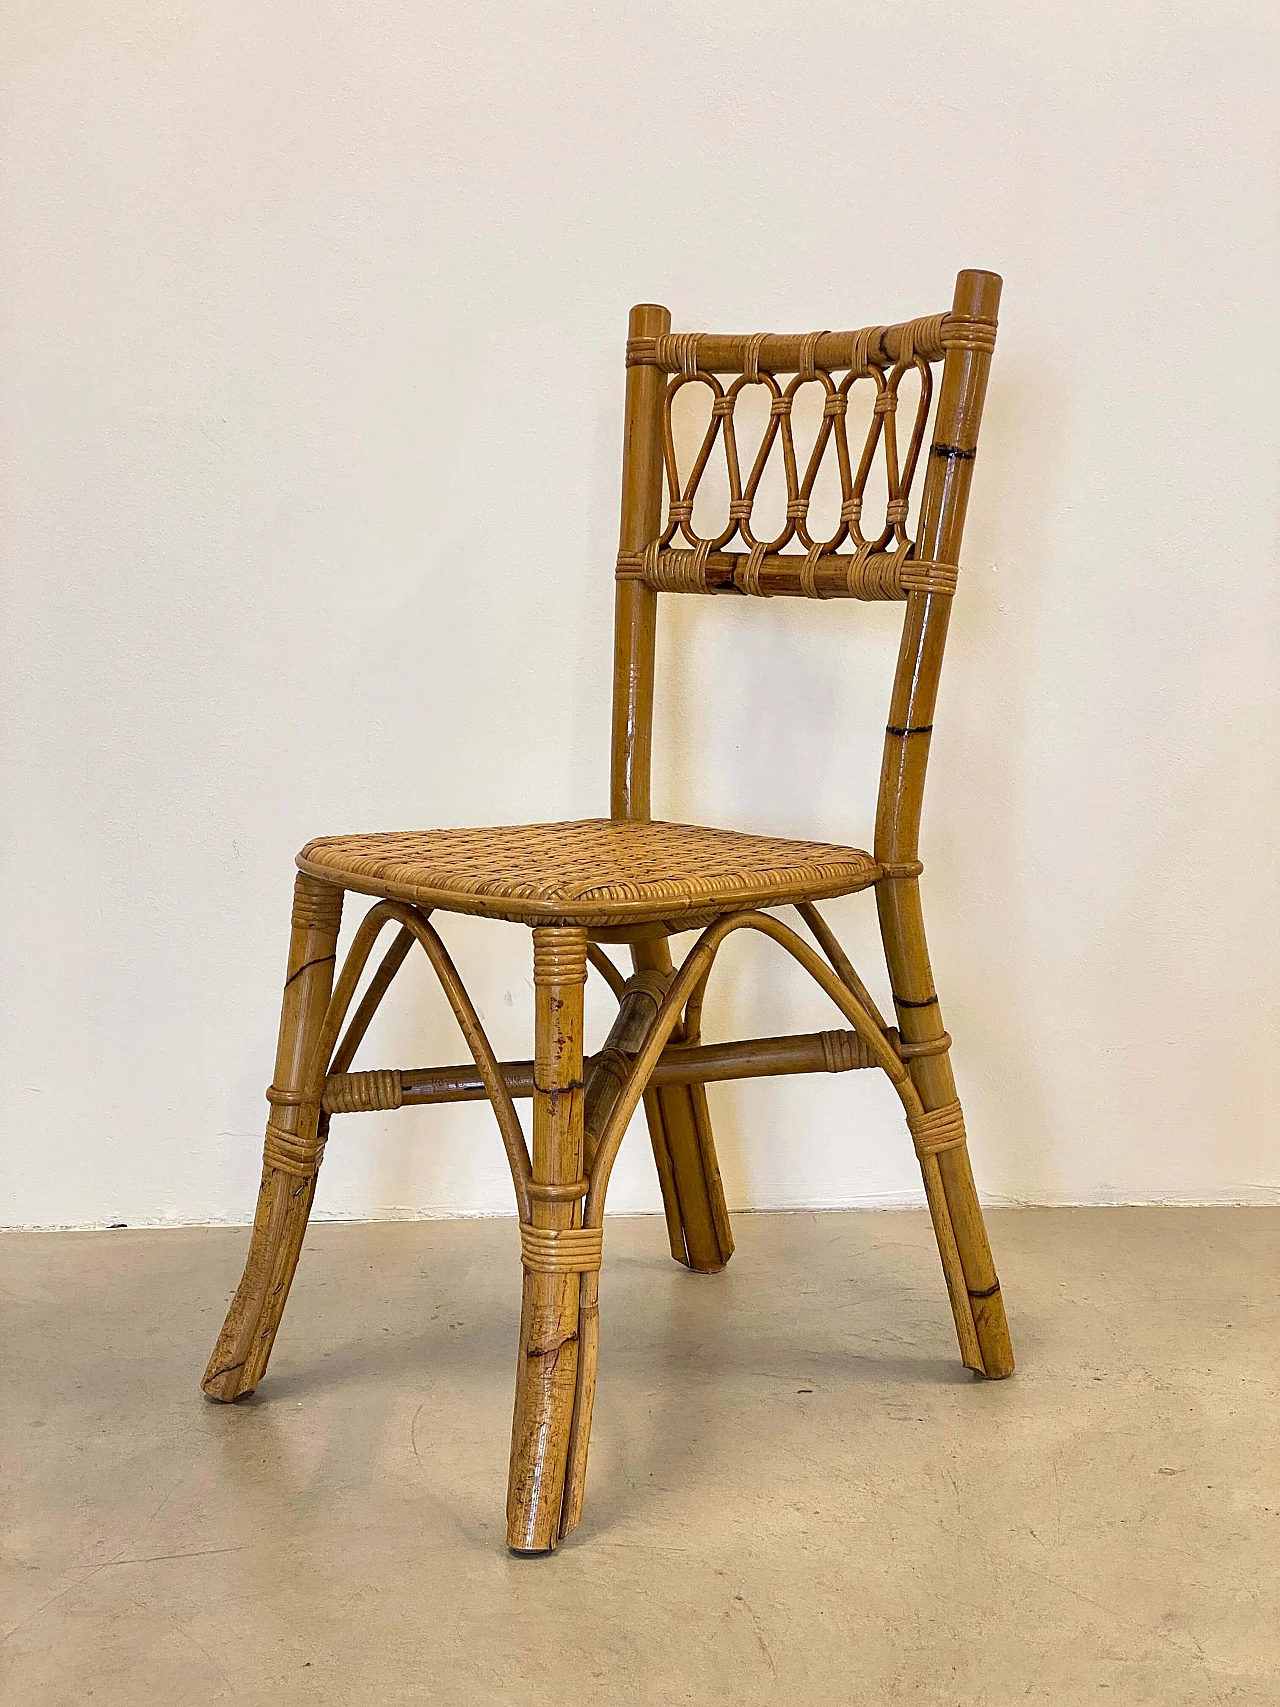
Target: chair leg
{"type": "Point", "coordinates": [291, 1154]}
{"type": "Point", "coordinates": [976, 1302]}
{"type": "Point", "coordinates": [555, 1250]}
{"type": "Point", "coordinates": [684, 1152]}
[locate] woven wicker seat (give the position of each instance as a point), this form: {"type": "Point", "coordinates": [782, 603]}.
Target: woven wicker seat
{"type": "Point", "coordinates": [629, 880]}
{"type": "Point", "coordinates": [592, 872]}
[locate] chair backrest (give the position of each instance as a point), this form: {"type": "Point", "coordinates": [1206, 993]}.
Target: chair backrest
{"type": "Point", "coordinates": [660, 550]}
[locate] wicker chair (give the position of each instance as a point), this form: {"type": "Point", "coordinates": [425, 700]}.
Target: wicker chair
{"type": "Point", "coordinates": [630, 880]}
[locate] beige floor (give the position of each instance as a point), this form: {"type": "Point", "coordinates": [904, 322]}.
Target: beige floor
{"type": "Point", "coordinates": [796, 1494]}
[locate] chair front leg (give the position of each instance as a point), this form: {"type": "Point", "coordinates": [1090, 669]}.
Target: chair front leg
{"type": "Point", "coordinates": [291, 1154]}
{"type": "Point", "coordinates": [556, 1251]}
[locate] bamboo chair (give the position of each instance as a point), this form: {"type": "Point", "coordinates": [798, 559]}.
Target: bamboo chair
{"type": "Point", "coordinates": [630, 880]}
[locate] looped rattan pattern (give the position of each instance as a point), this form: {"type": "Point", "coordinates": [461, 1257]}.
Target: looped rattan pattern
{"type": "Point", "coordinates": [677, 560]}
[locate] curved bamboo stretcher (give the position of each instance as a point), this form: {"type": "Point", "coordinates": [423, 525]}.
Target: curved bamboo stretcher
{"type": "Point", "coordinates": [629, 879]}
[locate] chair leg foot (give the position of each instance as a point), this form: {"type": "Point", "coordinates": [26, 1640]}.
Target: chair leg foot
{"type": "Point", "coordinates": [981, 1284]}
{"type": "Point", "coordinates": [291, 1154]}
{"type": "Point", "coordinates": [240, 1356]}
{"type": "Point", "coordinates": [546, 1382]}
{"type": "Point", "coordinates": [684, 1152]}
{"type": "Point", "coordinates": [692, 1193]}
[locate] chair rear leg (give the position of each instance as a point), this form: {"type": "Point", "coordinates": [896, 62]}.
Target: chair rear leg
{"type": "Point", "coordinates": [940, 1141]}
{"type": "Point", "coordinates": [291, 1154]}
{"type": "Point", "coordinates": [684, 1152]}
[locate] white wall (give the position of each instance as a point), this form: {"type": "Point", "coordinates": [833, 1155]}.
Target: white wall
{"type": "Point", "coordinates": [313, 370]}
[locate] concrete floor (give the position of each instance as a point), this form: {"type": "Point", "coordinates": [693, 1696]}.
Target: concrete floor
{"type": "Point", "coordinates": [796, 1494]}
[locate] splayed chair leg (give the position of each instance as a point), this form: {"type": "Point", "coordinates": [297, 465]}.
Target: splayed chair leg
{"type": "Point", "coordinates": [556, 1250]}
{"type": "Point", "coordinates": [291, 1154]}
{"type": "Point", "coordinates": [684, 1152]}
{"type": "Point", "coordinates": [939, 1138]}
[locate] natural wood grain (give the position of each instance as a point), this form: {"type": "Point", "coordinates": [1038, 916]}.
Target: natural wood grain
{"type": "Point", "coordinates": [546, 1376]}
{"type": "Point", "coordinates": [291, 1156]}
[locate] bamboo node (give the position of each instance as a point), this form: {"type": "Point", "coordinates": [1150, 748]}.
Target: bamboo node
{"type": "Point", "coordinates": [363, 1093]}
{"type": "Point", "coordinates": [560, 1250]}
{"type": "Point", "coordinates": [937, 1129]}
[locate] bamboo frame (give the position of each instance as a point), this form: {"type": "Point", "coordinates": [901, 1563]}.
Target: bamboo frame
{"type": "Point", "coordinates": [631, 880]}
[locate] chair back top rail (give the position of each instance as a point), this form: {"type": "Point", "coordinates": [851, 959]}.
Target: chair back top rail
{"type": "Point", "coordinates": [929, 337]}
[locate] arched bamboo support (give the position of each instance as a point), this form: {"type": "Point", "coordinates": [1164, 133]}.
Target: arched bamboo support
{"type": "Point", "coordinates": [697, 965]}
{"type": "Point", "coordinates": [414, 921]}
{"type": "Point", "coordinates": [371, 1001]}
{"type": "Point", "coordinates": [689, 985]}
{"type": "Point", "coordinates": [616, 980]}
